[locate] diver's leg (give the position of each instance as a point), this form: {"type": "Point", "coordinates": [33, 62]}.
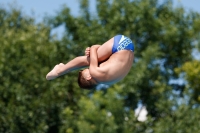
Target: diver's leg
{"type": "Point", "coordinates": [105, 50]}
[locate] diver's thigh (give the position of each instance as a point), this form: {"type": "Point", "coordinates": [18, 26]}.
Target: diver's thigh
{"type": "Point", "coordinates": [105, 50]}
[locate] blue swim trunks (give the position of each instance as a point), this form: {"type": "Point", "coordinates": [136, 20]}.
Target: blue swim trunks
{"type": "Point", "coordinates": [122, 42]}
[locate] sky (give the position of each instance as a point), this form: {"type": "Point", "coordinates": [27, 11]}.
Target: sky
{"type": "Point", "coordinates": [40, 8]}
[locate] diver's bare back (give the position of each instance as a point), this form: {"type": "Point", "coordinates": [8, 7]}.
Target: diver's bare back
{"type": "Point", "coordinates": [117, 66]}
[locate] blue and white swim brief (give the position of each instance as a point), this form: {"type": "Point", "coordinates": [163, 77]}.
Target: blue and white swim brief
{"type": "Point", "coordinates": [122, 42]}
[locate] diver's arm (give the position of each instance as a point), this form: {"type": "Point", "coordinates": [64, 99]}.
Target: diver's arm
{"type": "Point", "coordinates": [94, 69]}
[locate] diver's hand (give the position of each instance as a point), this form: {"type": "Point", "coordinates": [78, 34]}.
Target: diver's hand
{"type": "Point", "coordinates": [87, 51]}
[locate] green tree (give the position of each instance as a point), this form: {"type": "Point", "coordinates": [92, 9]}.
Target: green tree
{"type": "Point", "coordinates": [28, 103]}
{"type": "Point", "coordinates": [191, 70]}
{"type": "Point", "coordinates": [163, 38]}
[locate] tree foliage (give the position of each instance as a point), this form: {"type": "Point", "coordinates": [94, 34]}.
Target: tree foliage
{"type": "Point", "coordinates": [164, 39]}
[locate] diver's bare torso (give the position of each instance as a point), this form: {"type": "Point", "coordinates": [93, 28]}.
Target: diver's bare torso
{"type": "Point", "coordinates": [117, 66]}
